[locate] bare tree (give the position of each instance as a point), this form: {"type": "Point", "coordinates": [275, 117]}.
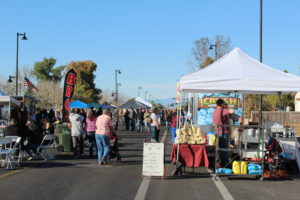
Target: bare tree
{"type": "Point", "coordinates": [49, 93]}
{"type": "Point", "coordinates": [10, 88]}
{"type": "Point", "coordinates": [201, 50]}
{"type": "Point", "coordinates": [108, 96]}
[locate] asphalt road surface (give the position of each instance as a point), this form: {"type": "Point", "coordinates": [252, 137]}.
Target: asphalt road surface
{"type": "Point", "coordinates": [66, 178]}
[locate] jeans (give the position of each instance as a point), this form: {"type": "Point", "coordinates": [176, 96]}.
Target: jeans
{"type": "Point", "coordinates": [132, 124]}
{"type": "Point", "coordinates": [127, 124]}
{"type": "Point", "coordinates": [173, 133]}
{"type": "Point", "coordinates": [117, 124]}
{"type": "Point", "coordinates": [92, 141]}
{"type": "Point", "coordinates": [147, 127]}
{"type": "Point", "coordinates": [102, 142]}
{"type": "Point", "coordinates": [154, 133]}
{"type": "Point", "coordinates": [168, 126]}
{"type": "Point", "coordinates": [77, 145]}
{"type": "Point", "coordinates": [140, 125]}
{"type": "Point", "coordinates": [224, 143]}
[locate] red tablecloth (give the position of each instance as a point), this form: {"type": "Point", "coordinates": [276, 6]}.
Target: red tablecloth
{"type": "Point", "coordinates": [191, 155]}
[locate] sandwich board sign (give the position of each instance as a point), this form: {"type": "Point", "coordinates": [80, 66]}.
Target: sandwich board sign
{"type": "Point", "coordinates": [153, 159]}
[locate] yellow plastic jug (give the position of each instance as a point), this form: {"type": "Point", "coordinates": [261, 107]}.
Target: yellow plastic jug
{"type": "Point", "coordinates": [236, 167]}
{"type": "Point", "coordinates": [214, 140]}
{"type": "Point", "coordinates": [243, 167]}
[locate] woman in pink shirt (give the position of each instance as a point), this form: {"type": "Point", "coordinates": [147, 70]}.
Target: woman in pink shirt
{"type": "Point", "coordinates": [103, 130]}
{"type": "Point", "coordinates": [91, 129]}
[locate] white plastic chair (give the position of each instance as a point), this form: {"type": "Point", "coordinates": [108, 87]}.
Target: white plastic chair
{"type": "Point", "coordinates": [16, 140]}
{"type": "Point", "coordinates": [43, 150]}
{"type": "Point", "coordinates": [5, 152]}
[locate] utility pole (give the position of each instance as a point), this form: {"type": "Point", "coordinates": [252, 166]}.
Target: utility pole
{"type": "Point", "coordinates": [116, 82]}
{"type": "Point", "coordinates": [139, 90]}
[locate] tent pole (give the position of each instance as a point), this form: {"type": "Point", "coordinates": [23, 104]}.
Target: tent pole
{"type": "Point", "coordinates": [178, 146]}
{"type": "Point", "coordinates": [260, 59]}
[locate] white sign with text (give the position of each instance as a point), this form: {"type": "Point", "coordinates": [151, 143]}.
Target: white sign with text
{"type": "Point", "coordinates": [153, 159]}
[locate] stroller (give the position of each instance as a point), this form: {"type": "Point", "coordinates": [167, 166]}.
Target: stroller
{"type": "Point", "coordinates": [114, 149]}
{"type": "Point", "coordinates": [274, 163]}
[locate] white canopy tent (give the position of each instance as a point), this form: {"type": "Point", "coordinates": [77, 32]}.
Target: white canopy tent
{"type": "Point", "coordinates": [5, 98]}
{"type": "Point", "coordinates": [139, 99]}
{"type": "Point", "coordinates": [237, 72]}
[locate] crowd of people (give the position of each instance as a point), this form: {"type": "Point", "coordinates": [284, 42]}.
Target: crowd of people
{"type": "Point", "coordinates": [31, 128]}
{"type": "Point", "coordinates": [94, 126]}
{"type": "Point", "coordinates": [149, 121]}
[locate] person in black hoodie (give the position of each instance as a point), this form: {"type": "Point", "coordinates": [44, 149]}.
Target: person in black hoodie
{"type": "Point", "coordinates": [35, 137]}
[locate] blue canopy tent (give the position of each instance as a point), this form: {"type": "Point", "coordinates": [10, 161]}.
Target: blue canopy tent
{"type": "Point", "coordinates": [78, 104]}
{"type": "Point", "coordinates": [98, 105]}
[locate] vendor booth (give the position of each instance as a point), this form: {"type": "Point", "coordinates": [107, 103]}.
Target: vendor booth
{"type": "Point", "coordinates": [139, 99]}
{"type": "Point", "coordinates": [7, 105]}
{"type": "Point", "coordinates": [133, 104]}
{"type": "Point", "coordinates": [98, 105]}
{"type": "Point", "coordinates": [79, 104]}
{"type": "Point", "coordinates": [237, 73]}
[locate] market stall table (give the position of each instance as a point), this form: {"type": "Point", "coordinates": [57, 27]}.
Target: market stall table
{"type": "Point", "coordinates": [191, 155]}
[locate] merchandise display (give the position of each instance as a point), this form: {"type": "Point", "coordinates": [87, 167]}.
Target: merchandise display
{"type": "Point", "coordinates": [189, 135]}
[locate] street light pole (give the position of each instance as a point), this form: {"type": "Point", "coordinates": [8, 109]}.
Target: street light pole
{"type": "Point", "coordinates": [17, 58]}
{"type": "Point", "coordinates": [215, 46]}
{"type": "Point", "coordinates": [116, 82]}
{"type": "Point", "coordinates": [139, 90]}
{"type": "Point", "coordinates": [146, 95]}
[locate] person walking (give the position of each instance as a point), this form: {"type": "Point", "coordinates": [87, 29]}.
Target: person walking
{"type": "Point", "coordinates": [147, 121]}
{"type": "Point", "coordinates": [104, 129]}
{"type": "Point", "coordinates": [77, 131]}
{"type": "Point", "coordinates": [91, 129]}
{"type": "Point", "coordinates": [140, 120]}
{"type": "Point", "coordinates": [132, 116]}
{"type": "Point", "coordinates": [154, 125]}
{"type": "Point", "coordinates": [173, 126]}
{"type": "Point", "coordinates": [168, 119]}
{"type": "Point", "coordinates": [126, 119]}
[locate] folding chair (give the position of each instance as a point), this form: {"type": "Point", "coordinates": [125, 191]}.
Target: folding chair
{"type": "Point", "coordinates": [43, 150]}
{"type": "Point", "coordinates": [16, 140]}
{"type": "Point", "coordinates": [5, 152]}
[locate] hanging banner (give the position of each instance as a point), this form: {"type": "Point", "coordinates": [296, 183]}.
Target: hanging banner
{"type": "Point", "coordinates": [69, 86]}
{"type": "Point", "coordinates": [178, 95]}
{"type": "Point", "coordinates": [207, 105]}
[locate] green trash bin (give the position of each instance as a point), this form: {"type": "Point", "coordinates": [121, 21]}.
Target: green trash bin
{"type": "Point", "coordinates": [58, 128]}
{"type": "Point", "coordinates": [64, 139]}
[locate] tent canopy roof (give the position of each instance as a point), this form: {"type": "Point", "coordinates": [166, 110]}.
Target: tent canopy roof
{"type": "Point", "coordinates": [6, 98]}
{"type": "Point", "coordinates": [133, 104]}
{"type": "Point", "coordinates": [237, 72]}
{"type": "Point", "coordinates": [141, 100]}
{"type": "Point", "coordinates": [98, 105]}
{"type": "Point", "coordinates": [78, 104]}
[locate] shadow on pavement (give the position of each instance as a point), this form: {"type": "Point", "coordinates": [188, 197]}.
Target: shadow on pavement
{"type": "Point", "coordinates": [46, 164]}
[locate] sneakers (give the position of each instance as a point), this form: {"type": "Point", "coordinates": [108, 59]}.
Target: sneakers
{"type": "Point", "coordinates": [30, 158]}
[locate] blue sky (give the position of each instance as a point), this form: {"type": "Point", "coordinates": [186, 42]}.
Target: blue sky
{"type": "Point", "coordinates": [149, 41]}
